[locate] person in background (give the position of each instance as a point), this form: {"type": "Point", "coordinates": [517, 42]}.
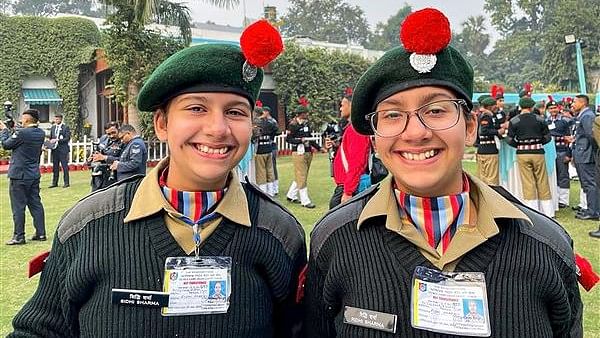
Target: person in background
{"type": "Point", "coordinates": [267, 130]}
{"type": "Point", "coordinates": [560, 129]}
{"type": "Point", "coordinates": [351, 159]}
{"type": "Point", "coordinates": [109, 150]}
{"type": "Point", "coordinates": [60, 135]}
{"type": "Point", "coordinates": [24, 175]}
{"type": "Point", "coordinates": [584, 151]}
{"type": "Point", "coordinates": [299, 137]}
{"type": "Point", "coordinates": [487, 150]}
{"type": "Point", "coordinates": [134, 155]}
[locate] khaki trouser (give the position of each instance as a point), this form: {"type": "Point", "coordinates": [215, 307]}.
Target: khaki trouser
{"type": "Point", "coordinates": [534, 177]}
{"type": "Point", "coordinates": [301, 166]}
{"type": "Point", "coordinates": [487, 168]}
{"type": "Point", "coordinates": [264, 168]}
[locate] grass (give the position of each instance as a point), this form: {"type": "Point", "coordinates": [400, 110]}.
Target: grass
{"type": "Point", "coordinates": [16, 289]}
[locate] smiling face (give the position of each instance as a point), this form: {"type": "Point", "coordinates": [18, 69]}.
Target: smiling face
{"type": "Point", "coordinates": [425, 162]}
{"type": "Point", "coordinates": [208, 134]}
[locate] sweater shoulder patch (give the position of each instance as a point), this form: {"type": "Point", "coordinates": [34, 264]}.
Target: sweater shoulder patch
{"type": "Point", "coordinates": [95, 205]}
{"type": "Point", "coordinates": [543, 229]}
{"type": "Point", "coordinates": [337, 218]}
{"type": "Point", "coordinates": [549, 232]}
{"type": "Point", "coordinates": [278, 221]}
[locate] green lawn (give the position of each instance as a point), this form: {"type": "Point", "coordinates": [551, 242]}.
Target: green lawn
{"type": "Point", "coordinates": [15, 288]}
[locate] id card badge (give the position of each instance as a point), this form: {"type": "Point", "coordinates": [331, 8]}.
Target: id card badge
{"type": "Point", "coordinates": [300, 150]}
{"type": "Point", "coordinates": [551, 126]}
{"type": "Point", "coordinates": [197, 285]}
{"type": "Point", "coordinates": [499, 116]}
{"type": "Point", "coordinates": [454, 303]}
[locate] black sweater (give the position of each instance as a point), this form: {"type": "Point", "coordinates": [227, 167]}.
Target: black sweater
{"type": "Point", "coordinates": [487, 135]}
{"type": "Point", "coordinates": [530, 276]}
{"type": "Point", "coordinates": [95, 252]}
{"type": "Point", "coordinates": [528, 130]}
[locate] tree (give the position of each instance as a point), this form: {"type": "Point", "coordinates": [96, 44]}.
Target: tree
{"type": "Point", "coordinates": [327, 20]}
{"type": "Point", "coordinates": [52, 7]}
{"type": "Point", "coordinates": [535, 31]}
{"type": "Point", "coordinates": [472, 42]}
{"type": "Point", "coordinates": [386, 35]}
{"type": "Point", "coordinates": [134, 51]}
{"type": "Point", "coordinates": [318, 74]}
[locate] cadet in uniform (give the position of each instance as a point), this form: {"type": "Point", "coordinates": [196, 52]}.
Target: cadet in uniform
{"type": "Point", "coordinates": [560, 130]}
{"type": "Point", "coordinates": [24, 175]}
{"type": "Point", "coordinates": [273, 187]}
{"type": "Point", "coordinates": [528, 132]}
{"type": "Point", "coordinates": [487, 150]}
{"type": "Point", "coordinates": [298, 137]}
{"type": "Point", "coordinates": [267, 130]}
{"type": "Point", "coordinates": [403, 258]}
{"type": "Point", "coordinates": [140, 258]}
{"type": "Point", "coordinates": [134, 155]}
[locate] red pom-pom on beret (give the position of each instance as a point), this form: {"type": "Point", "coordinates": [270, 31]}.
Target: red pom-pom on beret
{"type": "Point", "coordinates": [426, 31]}
{"type": "Point", "coordinates": [261, 43]}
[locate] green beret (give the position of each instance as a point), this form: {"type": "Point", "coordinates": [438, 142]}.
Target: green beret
{"type": "Point", "coordinates": [488, 102]}
{"type": "Point", "coordinates": [483, 97]}
{"type": "Point", "coordinates": [196, 69]}
{"type": "Point", "coordinates": [526, 102]}
{"type": "Point", "coordinates": [393, 73]}
{"type": "Point", "coordinates": [267, 108]}
{"type": "Point", "coordinates": [300, 109]}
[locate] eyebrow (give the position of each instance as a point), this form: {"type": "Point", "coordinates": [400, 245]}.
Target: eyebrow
{"type": "Point", "coordinates": [422, 100]}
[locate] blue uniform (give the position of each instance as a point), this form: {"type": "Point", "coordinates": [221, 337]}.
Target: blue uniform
{"type": "Point", "coordinates": [24, 175]}
{"type": "Point", "coordinates": [583, 156]}
{"type": "Point", "coordinates": [133, 159]}
{"type": "Point", "coordinates": [60, 155]}
{"type": "Point", "coordinates": [560, 127]}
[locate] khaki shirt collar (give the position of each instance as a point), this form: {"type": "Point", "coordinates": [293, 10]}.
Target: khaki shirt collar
{"type": "Point", "coordinates": [149, 199]}
{"type": "Point", "coordinates": [489, 206]}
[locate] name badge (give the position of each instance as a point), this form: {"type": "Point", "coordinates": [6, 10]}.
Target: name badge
{"type": "Point", "coordinates": [454, 303]}
{"type": "Point", "coordinates": [197, 285]}
{"type": "Point", "coordinates": [370, 319]}
{"type": "Point", "coordinates": [499, 116]}
{"type": "Point", "coordinates": [551, 126]}
{"type": "Point", "coordinates": [142, 298]}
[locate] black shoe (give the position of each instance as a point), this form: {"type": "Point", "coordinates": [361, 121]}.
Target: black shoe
{"type": "Point", "coordinates": [66, 185]}
{"type": "Point", "coordinates": [53, 186]}
{"type": "Point", "coordinates": [562, 205]}
{"type": "Point", "coordinates": [585, 217]}
{"type": "Point", "coordinates": [576, 208]}
{"type": "Point", "coordinates": [309, 205]}
{"type": "Point", "coordinates": [293, 200]}
{"type": "Point", "coordinates": [39, 238]}
{"type": "Point", "coordinates": [595, 234]}
{"type": "Point", "coordinates": [15, 241]}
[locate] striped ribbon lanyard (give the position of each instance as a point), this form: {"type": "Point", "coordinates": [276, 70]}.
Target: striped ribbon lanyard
{"type": "Point", "coordinates": [197, 227]}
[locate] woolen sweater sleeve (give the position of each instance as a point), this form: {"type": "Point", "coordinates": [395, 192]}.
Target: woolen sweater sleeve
{"type": "Point", "coordinates": [356, 149]}
{"type": "Point", "coordinates": [44, 314]}
{"type": "Point", "coordinates": [288, 313]}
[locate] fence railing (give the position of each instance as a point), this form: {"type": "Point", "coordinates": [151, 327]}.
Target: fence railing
{"type": "Point", "coordinates": [79, 151]}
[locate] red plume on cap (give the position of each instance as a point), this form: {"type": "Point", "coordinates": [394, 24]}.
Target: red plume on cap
{"type": "Point", "coordinates": [303, 101]}
{"type": "Point", "coordinates": [426, 31]}
{"type": "Point", "coordinates": [528, 88]}
{"type": "Point", "coordinates": [497, 91]}
{"type": "Point", "coordinates": [550, 98]}
{"type": "Point", "coordinates": [258, 104]}
{"type": "Point", "coordinates": [587, 277]}
{"type": "Point", "coordinates": [348, 91]}
{"type": "Point", "coordinates": [261, 43]}
{"type": "Point", "coordinates": [494, 90]}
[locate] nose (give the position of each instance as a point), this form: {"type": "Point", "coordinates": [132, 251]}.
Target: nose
{"type": "Point", "coordinates": [217, 125]}
{"type": "Point", "coordinates": [415, 130]}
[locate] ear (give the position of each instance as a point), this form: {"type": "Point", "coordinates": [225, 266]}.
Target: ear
{"type": "Point", "coordinates": [471, 130]}
{"type": "Point", "coordinates": [160, 124]}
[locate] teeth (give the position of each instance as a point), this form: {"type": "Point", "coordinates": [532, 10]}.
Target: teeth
{"type": "Point", "coordinates": [206, 149]}
{"type": "Point", "coordinates": [419, 156]}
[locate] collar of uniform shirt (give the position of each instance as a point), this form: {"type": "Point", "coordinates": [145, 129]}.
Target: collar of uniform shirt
{"type": "Point", "coordinates": [149, 199]}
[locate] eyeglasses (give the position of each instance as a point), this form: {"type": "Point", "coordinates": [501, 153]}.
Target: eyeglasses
{"type": "Point", "coordinates": [438, 115]}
